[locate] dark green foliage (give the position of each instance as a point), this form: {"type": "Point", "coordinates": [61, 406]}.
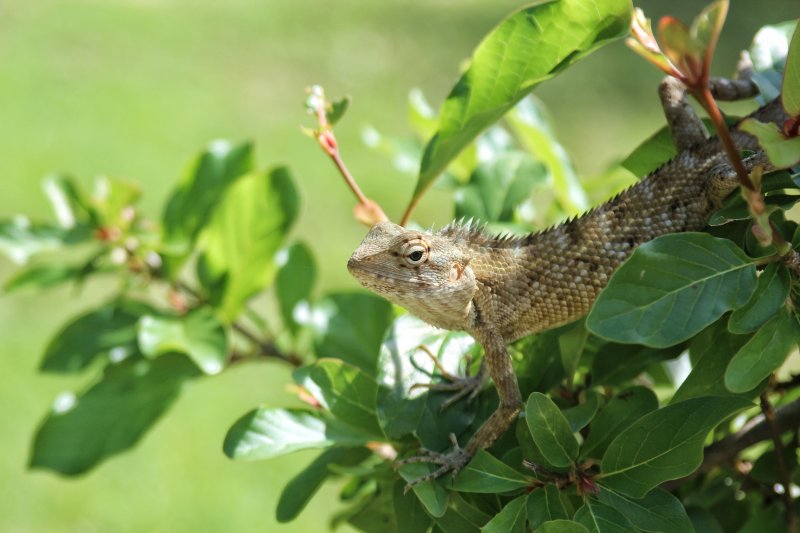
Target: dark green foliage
{"type": "Point", "coordinates": [620, 408]}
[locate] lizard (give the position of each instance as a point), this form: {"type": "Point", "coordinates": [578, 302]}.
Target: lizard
{"type": "Point", "coordinates": [502, 288]}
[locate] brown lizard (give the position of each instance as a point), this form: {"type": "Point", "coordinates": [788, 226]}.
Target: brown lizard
{"type": "Point", "coordinates": [500, 289]}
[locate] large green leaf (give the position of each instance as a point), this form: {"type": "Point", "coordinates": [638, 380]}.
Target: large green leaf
{"type": "Point", "coordinates": [294, 281]}
{"type": "Point", "coordinates": [550, 430]}
{"type": "Point", "coordinates": [69, 204]}
{"type": "Point", "coordinates": [346, 391]}
{"type": "Point", "coordinates": [299, 491]}
{"type": "Point", "coordinates": [625, 408]}
{"type": "Point", "coordinates": [763, 353]}
{"type": "Point", "coordinates": [108, 331]}
{"type": "Point", "coordinates": [409, 513]}
{"type": "Point", "coordinates": [246, 229]}
{"type": "Point", "coordinates": [350, 327]}
{"type": "Point", "coordinates": [202, 186]}
{"type": "Point", "coordinates": [770, 295]}
{"type": "Point", "coordinates": [658, 511]}
{"type": "Point", "coordinates": [111, 416]}
{"type": "Point", "coordinates": [671, 288]}
{"type": "Point", "coordinates": [487, 474]}
{"type": "Point", "coordinates": [270, 432]}
{"type": "Point", "coordinates": [511, 519]}
{"type": "Point", "coordinates": [461, 516]}
{"type": "Point", "coordinates": [525, 49]}
{"type": "Point", "coordinates": [599, 518]}
{"type": "Point", "coordinates": [665, 444]}
{"type": "Point", "coordinates": [197, 334]}
{"type": "Point", "coordinates": [614, 364]}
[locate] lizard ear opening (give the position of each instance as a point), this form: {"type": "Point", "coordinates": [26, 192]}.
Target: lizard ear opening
{"type": "Point", "coordinates": [455, 272]}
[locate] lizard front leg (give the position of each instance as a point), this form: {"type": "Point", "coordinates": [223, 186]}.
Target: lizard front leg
{"type": "Point", "coordinates": [500, 369]}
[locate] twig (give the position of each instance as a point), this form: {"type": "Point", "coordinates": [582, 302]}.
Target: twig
{"type": "Point", "coordinates": [267, 348]}
{"type": "Point", "coordinates": [783, 471]}
{"type": "Point", "coordinates": [367, 211]}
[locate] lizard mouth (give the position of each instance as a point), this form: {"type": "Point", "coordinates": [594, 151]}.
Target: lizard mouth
{"type": "Point", "coordinates": [371, 279]}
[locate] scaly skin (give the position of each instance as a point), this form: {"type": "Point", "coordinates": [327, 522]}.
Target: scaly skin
{"type": "Point", "coordinates": [502, 288]}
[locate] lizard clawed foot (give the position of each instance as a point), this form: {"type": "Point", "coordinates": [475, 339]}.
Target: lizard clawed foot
{"type": "Point", "coordinates": [466, 386]}
{"type": "Point", "coordinates": [449, 462]}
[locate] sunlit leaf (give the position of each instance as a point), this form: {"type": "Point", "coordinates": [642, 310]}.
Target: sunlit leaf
{"type": "Point", "coordinates": [270, 432]}
{"type": "Point", "coordinates": [246, 229]}
{"type": "Point", "coordinates": [294, 281]}
{"type": "Point", "coordinates": [782, 152]}
{"type": "Point", "coordinates": [503, 70]}
{"type": "Point", "coordinates": [790, 95]}
{"type": "Point", "coordinates": [197, 334]}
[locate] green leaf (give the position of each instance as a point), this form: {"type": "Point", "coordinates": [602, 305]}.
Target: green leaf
{"type": "Point", "coordinates": [299, 491]}
{"type": "Point", "coordinates": [782, 152]}
{"type": "Point", "coordinates": [20, 239]}
{"type": "Point", "coordinates": [337, 110]}
{"type": "Point", "coordinates": [350, 327]}
{"type": "Point", "coordinates": [653, 152]}
{"type": "Point", "coordinates": [68, 202]}
{"type": "Point", "coordinates": [763, 353]}
{"type": "Point", "coordinates": [265, 432]}
{"type": "Point", "coordinates": [498, 186]}
{"type": "Point", "coordinates": [409, 513]}
{"type": "Point", "coordinates": [108, 331]}
{"type": "Point", "coordinates": [202, 186]}
{"type": "Point", "coordinates": [431, 494]}
{"type": "Point", "coordinates": [111, 416]}
{"type": "Point", "coordinates": [790, 94]}
{"type": "Point", "coordinates": [245, 230]}
{"type": "Point", "coordinates": [550, 430]}
{"type": "Point", "coordinates": [665, 444]}
{"type": "Point", "coordinates": [293, 283]}
{"type": "Point", "coordinates": [583, 413]}
{"type": "Point", "coordinates": [625, 408]}
{"type": "Point", "coordinates": [570, 345]}
{"type": "Point", "coordinates": [197, 334]}
{"type": "Point", "coordinates": [487, 475]}
{"type": "Point", "coordinates": [599, 518]}
{"type": "Point", "coordinates": [42, 276]}
{"type": "Point", "coordinates": [531, 125]}
{"type": "Point", "coordinates": [503, 70]}
{"type": "Point", "coordinates": [461, 516]}
{"type": "Point", "coordinates": [614, 364]}
{"type": "Point", "coordinates": [671, 288]}
{"type": "Point", "coordinates": [344, 390]}
{"type": "Point", "coordinates": [658, 511]}
{"type": "Point", "coordinates": [561, 526]}
{"type": "Point", "coordinates": [711, 351]}
{"type": "Point", "coordinates": [545, 504]}
{"type": "Point", "coordinates": [771, 293]}
{"type": "Point", "coordinates": [511, 519]}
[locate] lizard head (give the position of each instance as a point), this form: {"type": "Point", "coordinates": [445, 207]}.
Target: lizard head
{"type": "Point", "coordinates": [426, 273]}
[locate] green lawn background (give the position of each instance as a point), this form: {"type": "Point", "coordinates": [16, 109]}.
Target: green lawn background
{"type": "Point", "coordinates": [134, 88]}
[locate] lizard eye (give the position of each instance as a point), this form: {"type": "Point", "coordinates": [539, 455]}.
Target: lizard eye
{"type": "Point", "coordinates": [416, 254]}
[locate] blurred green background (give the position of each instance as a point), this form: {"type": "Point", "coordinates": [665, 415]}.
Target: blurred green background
{"type": "Point", "coordinates": [134, 88]}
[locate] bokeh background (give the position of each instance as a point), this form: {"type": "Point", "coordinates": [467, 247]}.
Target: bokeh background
{"type": "Point", "coordinates": [134, 88]}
